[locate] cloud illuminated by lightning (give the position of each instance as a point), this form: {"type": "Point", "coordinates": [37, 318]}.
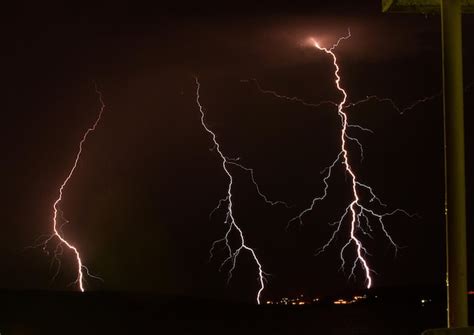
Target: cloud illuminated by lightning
{"type": "Point", "coordinates": [57, 212]}
{"type": "Point", "coordinates": [230, 221]}
{"type": "Point", "coordinates": [357, 214]}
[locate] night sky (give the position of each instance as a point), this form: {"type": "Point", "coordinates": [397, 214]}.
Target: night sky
{"type": "Point", "coordinates": [139, 202]}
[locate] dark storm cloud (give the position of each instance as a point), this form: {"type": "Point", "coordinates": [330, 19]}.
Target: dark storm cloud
{"type": "Point", "coordinates": [278, 40]}
{"type": "Point", "coordinates": [374, 37]}
{"type": "Point", "coordinates": [210, 34]}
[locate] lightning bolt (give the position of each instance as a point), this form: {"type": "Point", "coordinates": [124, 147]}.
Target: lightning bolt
{"type": "Point", "coordinates": [355, 207]}
{"type": "Point", "coordinates": [347, 105]}
{"type": "Point", "coordinates": [230, 221]}
{"type": "Point", "coordinates": [57, 212]}
{"type": "Point", "coordinates": [357, 214]}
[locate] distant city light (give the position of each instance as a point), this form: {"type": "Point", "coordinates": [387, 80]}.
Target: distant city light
{"type": "Point", "coordinates": [303, 301]}
{"type": "Point", "coordinates": [425, 301]}
{"type": "Point", "coordinates": [354, 300]}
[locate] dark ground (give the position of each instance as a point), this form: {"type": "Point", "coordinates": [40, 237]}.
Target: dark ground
{"type": "Point", "coordinates": [43, 312]}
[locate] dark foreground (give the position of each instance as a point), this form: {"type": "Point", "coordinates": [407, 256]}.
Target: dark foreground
{"type": "Point", "coordinates": [126, 313]}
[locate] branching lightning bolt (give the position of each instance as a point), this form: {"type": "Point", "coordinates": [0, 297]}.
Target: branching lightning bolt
{"type": "Point", "coordinates": [292, 99]}
{"type": "Point", "coordinates": [347, 105]}
{"type": "Point", "coordinates": [57, 212]}
{"type": "Point", "coordinates": [230, 221]}
{"type": "Point", "coordinates": [356, 212]}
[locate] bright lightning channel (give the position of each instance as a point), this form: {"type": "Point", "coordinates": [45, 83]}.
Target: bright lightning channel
{"type": "Point", "coordinates": [57, 212]}
{"type": "Point", "coordinates": [355, 207]}
{"type": "Point", "coordinates": [356, 212]}
{"type": "Point", "coordinates": [230, 221]}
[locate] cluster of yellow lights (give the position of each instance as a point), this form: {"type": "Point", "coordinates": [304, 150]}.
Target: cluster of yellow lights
{"type": "Point", "coordinates": [299, 301]}
{"type": "Point", "coordinates": [354, 300]}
